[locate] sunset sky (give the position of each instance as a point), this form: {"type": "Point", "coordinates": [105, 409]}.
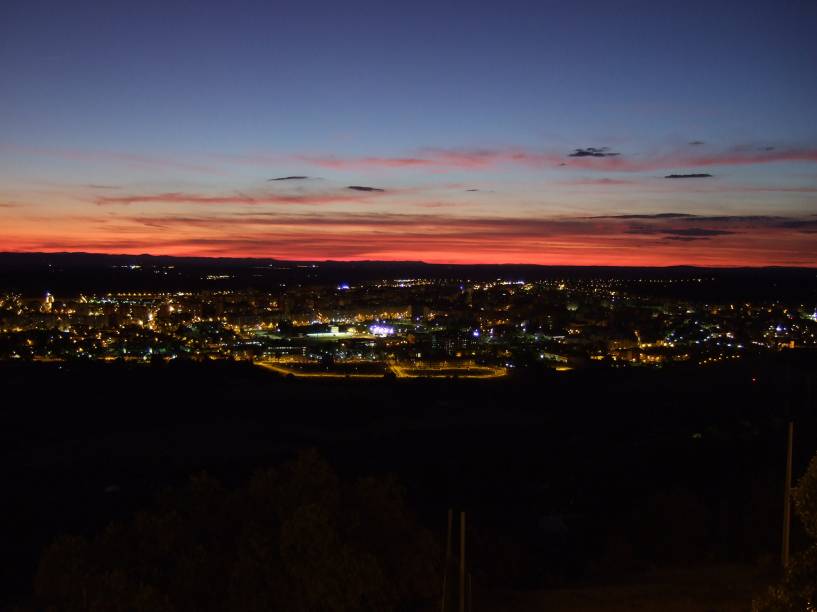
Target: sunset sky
{"type": "Point", "coordinates": [603, 133]}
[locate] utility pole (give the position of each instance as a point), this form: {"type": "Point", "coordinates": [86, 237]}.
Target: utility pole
{"type": "Point", "coordinates": [447, 565]}
{"type": "Point", "coordinates": [787, 498]}
{"type": "Point", "coordinates": [462, 561]}
{"type": "Point", "coordinates": [464, 596]}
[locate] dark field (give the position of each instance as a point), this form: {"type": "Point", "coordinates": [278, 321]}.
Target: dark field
{"type": "Point", "coordinates": [570, 479]}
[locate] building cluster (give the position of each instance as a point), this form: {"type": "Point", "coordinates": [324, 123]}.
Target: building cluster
{"type": "Point", "coordinates": [558, 323]}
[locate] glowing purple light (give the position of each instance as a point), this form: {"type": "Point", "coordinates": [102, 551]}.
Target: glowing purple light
{"type": "Point", "coordinates": [381, 330]}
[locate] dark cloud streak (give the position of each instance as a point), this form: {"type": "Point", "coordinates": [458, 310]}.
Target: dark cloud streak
{"type": "Point", "coordinates": [685, 232]}
{"type": "Point", "coordinates": [593, 152]}
{"type": "Point", "coordinates": [364, 188]}
{"type": "Point", "coordinates": [669, 215]}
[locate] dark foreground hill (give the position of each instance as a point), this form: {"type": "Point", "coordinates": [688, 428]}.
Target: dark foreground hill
{"type": "Point", "coordinates": [569, 479]}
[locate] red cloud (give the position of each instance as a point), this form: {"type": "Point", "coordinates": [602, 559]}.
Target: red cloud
{"type": "Point", "coordinates": [603, 182]}
{"type": "Point", "coordinates": [648, 240]}
{"type": "Point", "coordinates": [457, 247]}
{"type": "Point", "coordinates": [439, 159]}
{"type": "Point", "coordinates": [265, 198]}
{"type": "Point", "coordinates": [336, 163]}
{"type": "Point", "coordinates": [739, 157]}
{"type": "Point", "coordinates": [465, 159]}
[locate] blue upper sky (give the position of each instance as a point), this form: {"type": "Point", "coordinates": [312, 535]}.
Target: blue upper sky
{"type": "Point", "coordinates": [156, 125]}
{"type": "Point", "coordinates": [388, 76]}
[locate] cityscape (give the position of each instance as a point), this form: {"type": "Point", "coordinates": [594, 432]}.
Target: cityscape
{"type": "Point", "coordinates": [429, 306]}
{"type": "Point", "coordinates": [407, 327]}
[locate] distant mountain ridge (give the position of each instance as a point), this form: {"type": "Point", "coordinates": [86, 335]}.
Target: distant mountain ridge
{"type": "Point", "coordinates": [72, 273]}
{"type": "Point", "coordinates": [76, 257]}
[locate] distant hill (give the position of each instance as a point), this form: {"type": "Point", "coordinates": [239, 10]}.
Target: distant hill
{"type": "Point", "coordinates": [70, 273]}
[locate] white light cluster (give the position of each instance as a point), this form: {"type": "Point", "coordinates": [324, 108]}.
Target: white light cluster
{"type": "Point", "coordinates": [381, 330]}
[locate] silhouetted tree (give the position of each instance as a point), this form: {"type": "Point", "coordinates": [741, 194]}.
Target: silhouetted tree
{"type": "Point", "coordinates": [798, 589]}
{"type": "Point", "coordinates": [673, 526]}
{"type": "Point", "coordinates": [294, 538]}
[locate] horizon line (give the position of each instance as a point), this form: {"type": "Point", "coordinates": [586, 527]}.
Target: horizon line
{"type": "Point", "coordinates": [406, 261]}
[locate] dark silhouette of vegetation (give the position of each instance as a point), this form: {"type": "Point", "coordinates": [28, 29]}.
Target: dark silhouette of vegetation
{"type": "Point", "coordinates": [295, 538]}
{"type": "Point", "coordinates": [584, 478]}
{"type": "Point", "coordinates": [798, 589]}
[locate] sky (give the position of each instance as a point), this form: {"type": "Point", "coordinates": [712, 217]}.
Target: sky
{"type": "Point", "coordinates": [582, 133]}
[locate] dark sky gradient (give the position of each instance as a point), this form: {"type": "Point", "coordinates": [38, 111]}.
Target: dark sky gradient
{"type": "Point", "coordinates": [133, 127]}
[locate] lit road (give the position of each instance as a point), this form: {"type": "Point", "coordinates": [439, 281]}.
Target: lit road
{"type": "Point", "coordinates": [412, 370]}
